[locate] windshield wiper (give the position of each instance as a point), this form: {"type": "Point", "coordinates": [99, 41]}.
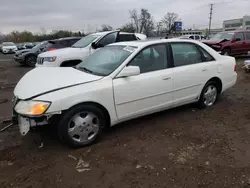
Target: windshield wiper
{"type": "Point", "coordinates": [85, 69]}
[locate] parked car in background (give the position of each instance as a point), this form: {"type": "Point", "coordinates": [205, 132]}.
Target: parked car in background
{"type": "Point", "coordinates": [72, 56]}
{"type": "Point", "coordinates": [120, 82]}
{"type": "Point", "coordinates": [25, 45]}
{"type": "Point", "coordinates": [194, 37]}
{"type": "Point", "coordinates": [8, 47]}
{"type": "Point", "coordinates": [29, 56]}
{"type": "Point", "coordinates": [230, 43]}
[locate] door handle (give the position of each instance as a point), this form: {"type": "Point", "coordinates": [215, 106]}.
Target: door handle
{"type": "Point", "coordinates": [203, 70]}
{"type": "Point", "coordinates": [166, 78]}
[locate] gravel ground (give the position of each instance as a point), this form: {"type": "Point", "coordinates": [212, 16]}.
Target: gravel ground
{"type": "Point", "coordinates": [182, 147]}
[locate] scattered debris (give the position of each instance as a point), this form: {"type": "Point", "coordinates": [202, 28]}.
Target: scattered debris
{"type": "Point", "coordinates": [5, 163]}
{"type": "Point", "coordinates": [207, 163]}
{"type": "Point", "coordinates": [82, 166]}
{"type": "Point", "coordinates": [3, 101]}
{"type": "Point", "coordinates": [72, 157]}
{"type": "Point", "coordinates": [6, 127]}
{"type": "Point", "coordinates": [151, 167]}
{"type": "Point", "coordinates": [41, 145]}
{"type": "Point", "coordinates": [7, 120]}
{"type": "Point", "coordinates": [6, 86]}
{"type": "Point", "coordinates": [138, 166]}
{"type": "Point", "coordinates": [89, 150]}
{"type": "Point", "coordinates": [82, 170]}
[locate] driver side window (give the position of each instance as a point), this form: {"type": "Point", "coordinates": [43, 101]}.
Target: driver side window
{"type": "Point", "coordinates": [239, 36]}
{"type": "Point", "coordinates": [151, 59]}
{"type": "Point", "coordinates": [108, 39]}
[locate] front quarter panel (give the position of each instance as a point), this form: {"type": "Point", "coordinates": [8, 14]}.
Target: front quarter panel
{"type": "Point", "coordinates": [100, 92]}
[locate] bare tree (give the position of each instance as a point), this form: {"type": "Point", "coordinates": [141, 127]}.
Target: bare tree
{"type": "Point", "coordinates": [168, 20]}
{"type": "Point", "coordinates": [106, 27]}
{"type": "Point", "coordinates": [129, 27]}
{"type": "Point", "coordinates": [135, 19]}
{"type": "Point", "coordinates": [158, 28]}
{"type": "Point", "coordinates": [143, 22]}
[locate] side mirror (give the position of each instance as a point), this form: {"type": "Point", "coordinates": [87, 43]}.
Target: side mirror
{"type": "Point", "coordinates": [129, 71]}
{"type": "Point", "coordinates": [96, 45]}
{"type": "Point", "coordinates": [93, 45]}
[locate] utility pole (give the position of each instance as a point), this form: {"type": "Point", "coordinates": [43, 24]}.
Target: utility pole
{"type": "Point", "coordinates": [210, 18]}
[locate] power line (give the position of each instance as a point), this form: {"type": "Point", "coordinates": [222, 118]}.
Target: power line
{"type": "Point", "coordinates": [227, 2]}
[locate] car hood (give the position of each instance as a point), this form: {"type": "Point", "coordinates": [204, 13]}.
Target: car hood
{"type": "Point", "coordinates": [66, 52]}
{"type": "Point", "coordinates": [211, 42]}
{"type": "Point", "coordinates": [22, 51]}
{"type": "Point", "coordinates": [45, 80]}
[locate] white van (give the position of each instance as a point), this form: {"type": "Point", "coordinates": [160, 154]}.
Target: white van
{"type": "Point", "coordinates": [72, 56]}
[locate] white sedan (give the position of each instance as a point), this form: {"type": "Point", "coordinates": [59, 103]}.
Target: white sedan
{"type": "Point", "coordinates": [120, 82]}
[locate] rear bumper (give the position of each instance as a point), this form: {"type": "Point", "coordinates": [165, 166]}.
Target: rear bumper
{"type": "Point", "coordinates": [231, 82]}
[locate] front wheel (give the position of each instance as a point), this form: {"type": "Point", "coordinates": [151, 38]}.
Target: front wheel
{"type": "Point", "coordinates": [81, 126]}
{"type": "Point", "coordinates": [209, 95]}
{"type": "Point", "coordinates": [30, 60]}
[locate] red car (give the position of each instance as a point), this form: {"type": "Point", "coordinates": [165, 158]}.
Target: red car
{"type": "Point", "coordinates": [230, 43]}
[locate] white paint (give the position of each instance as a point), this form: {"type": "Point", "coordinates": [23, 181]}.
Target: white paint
{"type": "Point", "coordinates": [129, 97]}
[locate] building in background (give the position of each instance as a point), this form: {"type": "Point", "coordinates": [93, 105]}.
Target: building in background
{"type": "Point", "coordinates": [197, 32]}
{"type": "Point", "coordinates": [236, 24]}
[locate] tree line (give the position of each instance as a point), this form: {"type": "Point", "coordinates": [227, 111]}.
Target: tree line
{"type": "Point", "coordinates": [141, 21]}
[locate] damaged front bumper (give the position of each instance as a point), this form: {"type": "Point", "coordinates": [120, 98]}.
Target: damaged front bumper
{"type": "Point", "coordinates": [25, 123]}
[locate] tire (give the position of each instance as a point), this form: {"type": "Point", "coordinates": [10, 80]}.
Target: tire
{"type": "Point", "coordinates": [81, 126]}
{"type": "Point", "coordinates": [226, 51]}
{"type": "Point", "coordinates": [30, 60]}
{"type": "Point", "coordinates": [210, 99]}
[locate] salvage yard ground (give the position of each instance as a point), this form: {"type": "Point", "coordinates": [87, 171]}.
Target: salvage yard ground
{"type": "Point", "coordinates": [183, 147]}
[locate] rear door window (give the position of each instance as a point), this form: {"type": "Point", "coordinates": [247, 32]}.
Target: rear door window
{"type": "Point", "coordinates": [126, 37]}
{"type": "Point", "coordinates": [185, 54]}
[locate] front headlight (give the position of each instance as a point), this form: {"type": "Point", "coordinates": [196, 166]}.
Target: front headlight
{"type": "Point", "coordinates": [31, 107]}
{"type": "Point", "coordinates": [49, 59]}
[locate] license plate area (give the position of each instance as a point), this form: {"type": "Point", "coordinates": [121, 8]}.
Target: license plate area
{"type": "Point", "coordinates": [24, 125]}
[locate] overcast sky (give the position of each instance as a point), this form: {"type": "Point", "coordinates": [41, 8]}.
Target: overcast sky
{"type": "Point", "coordinates": [90, 14]}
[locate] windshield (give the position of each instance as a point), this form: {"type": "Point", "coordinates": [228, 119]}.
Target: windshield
{"type": "Point", "coordinates": [106, 60]}
{"type": "Point", "coordinates": [221, 36]}
{"type": "Point", "coordinates": [8, 44]}
{"type": "Point", "coordinates": [85, 41]}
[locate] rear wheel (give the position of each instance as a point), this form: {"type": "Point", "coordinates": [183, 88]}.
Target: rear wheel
{"type": "Point", "coordinates": [209, 95]}
{"type": "Point", "coordinates": [81, 126]}
{"type": "Point", "coordinates": [30, 60]}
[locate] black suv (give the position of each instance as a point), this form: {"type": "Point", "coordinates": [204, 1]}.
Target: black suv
{"type": "Point", "coordinates": [28, 56]}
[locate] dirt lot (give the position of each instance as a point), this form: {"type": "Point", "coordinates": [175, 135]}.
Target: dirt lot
{"type": "Point", "coordinates": [183, 147]}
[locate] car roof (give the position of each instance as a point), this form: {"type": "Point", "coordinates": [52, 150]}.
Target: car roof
{"type": "Point", "coordinates": [144, 43]}
{"type": "Point", "coordinates": [68, 38]}
{"type": "Point", "coordinates": [107, 32]}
